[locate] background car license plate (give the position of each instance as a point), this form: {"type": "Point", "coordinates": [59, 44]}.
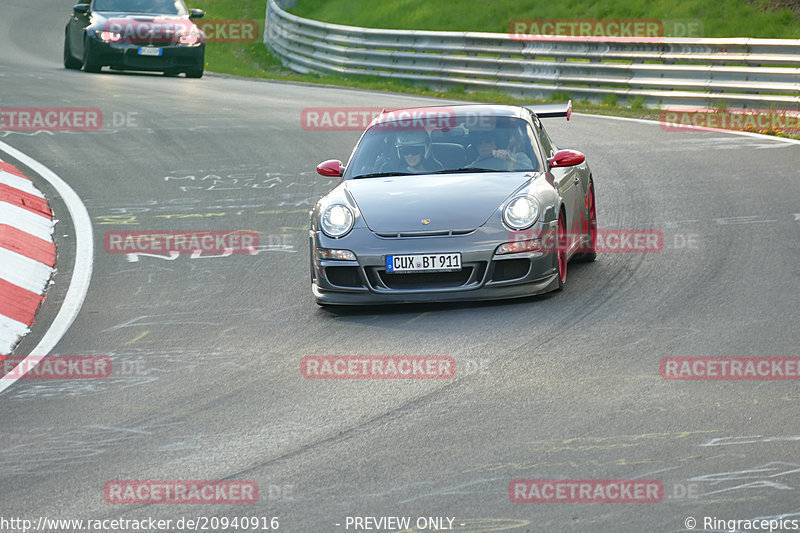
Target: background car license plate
{"type": "Point", "coordinates": [149, 51]}
{"type": "Point", "coordinates": [423, 263]}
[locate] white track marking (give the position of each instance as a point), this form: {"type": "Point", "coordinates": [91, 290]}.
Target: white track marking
{"type": "Point", "coordinates": [696, 128]}
{"type": "Point", "coordinates": [84, 261]}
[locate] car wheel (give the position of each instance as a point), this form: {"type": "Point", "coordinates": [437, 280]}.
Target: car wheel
{"type": "Point", "coordinates": [561, 251]}
{"type": "Point", "coordinates": [69, 61]}
{"type": "Point", "coordinates": [195, 73]}
{"type": "Point", "coordinates": [89, 62]}
{"type": "Point", "coordinates": [589, 249]}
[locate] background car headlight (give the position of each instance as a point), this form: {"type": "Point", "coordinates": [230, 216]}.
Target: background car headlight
{"type": "Point", "coordinates": [189, 38]}
{"type": "Point", "coordinates": [336, 220]}
{"type": "Point", "coordinates": [109, 36]}
{"type": "Point", "coordinates": [521, 212]}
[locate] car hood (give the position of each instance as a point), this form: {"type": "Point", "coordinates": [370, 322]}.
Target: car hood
{"type": "Point", "coordinates": [457, 202]}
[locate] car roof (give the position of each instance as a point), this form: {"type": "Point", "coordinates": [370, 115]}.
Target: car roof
{"type": "Point", "coordinates": [495, 110]}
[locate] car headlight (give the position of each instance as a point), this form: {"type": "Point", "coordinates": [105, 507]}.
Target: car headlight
{"type": "Point", "coordinates": [190, 38]}
{"type": "Point", "coordinates": [336, 220]}
{"type": "Point", "coordinates": [108, 36]}
{"type": "Point", "coordinates": [521, 212]}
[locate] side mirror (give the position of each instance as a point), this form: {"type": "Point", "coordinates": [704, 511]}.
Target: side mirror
{"type": "Point", "coordinates": [196, 13]}
{"type": "Point", "coordinates": [566, 158]}
{"type": "Point", "coordinates": [331, 167]}
{"type": "Point", "coordinates": [81, 9]}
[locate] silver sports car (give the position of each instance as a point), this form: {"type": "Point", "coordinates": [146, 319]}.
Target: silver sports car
{"type": "Point", "coordinates": [469, 202]}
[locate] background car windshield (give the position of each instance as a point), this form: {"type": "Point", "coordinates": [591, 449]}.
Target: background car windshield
{"type": "Point", "coordinates": [481, 143]}
{"type": "Point", "coordinates": [161, 7]}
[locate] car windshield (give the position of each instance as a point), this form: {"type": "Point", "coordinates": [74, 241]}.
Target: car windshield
{"type": "Point", "coordinates": [450, 144]}
{"type": "Point", "coordinates": [160, 7]}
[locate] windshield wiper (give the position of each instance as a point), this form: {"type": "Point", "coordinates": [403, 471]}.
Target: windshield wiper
{"type": "Point", "coordinates": [465, 169]}
{"type": "Point", "coordinates": [383, 175]}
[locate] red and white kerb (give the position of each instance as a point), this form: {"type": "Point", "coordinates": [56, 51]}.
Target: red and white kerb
{"type": "Point", "coordinates": [27, 254]}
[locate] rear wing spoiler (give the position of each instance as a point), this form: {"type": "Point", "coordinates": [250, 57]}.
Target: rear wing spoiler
{"type": "Point", "coordinates": [552, 110]}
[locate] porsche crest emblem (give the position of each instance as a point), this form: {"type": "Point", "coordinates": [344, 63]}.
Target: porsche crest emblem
{"type": "Point", "coordinates": [426, 221]}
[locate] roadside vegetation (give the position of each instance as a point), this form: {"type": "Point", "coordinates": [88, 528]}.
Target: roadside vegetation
{"type": "Point", "coordinates": [722, 18]}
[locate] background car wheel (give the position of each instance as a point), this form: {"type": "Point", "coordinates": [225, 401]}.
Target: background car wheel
{"type": "Point", "coordinates": [194, 73]}
{"type": "Point", "coordinates": [89, 62]}
{"type": "Point", "coordinates": [561, 251]}
{"type": "Point", "coordinates": [69, 61]}
{"type": "Point", "coordinates": [589, 252]}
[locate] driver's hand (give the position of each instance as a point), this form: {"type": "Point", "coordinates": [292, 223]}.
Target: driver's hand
{"type": "Point", "coordinates": [501, 154]}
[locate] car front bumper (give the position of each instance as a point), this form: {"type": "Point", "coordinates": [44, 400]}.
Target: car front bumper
{"type": "Point", "coordinates": [125, 56]}
{"type": "Point", "coordinates": [484, 275]}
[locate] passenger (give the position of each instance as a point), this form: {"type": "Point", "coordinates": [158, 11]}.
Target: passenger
{"type": "Point", "coordinates": [514, 154]}
{"type": "Point", "coordinates": [490, 158]}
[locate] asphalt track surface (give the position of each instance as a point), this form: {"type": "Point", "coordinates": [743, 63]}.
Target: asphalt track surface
{"type": "Point", "coordinates": [207, 351]}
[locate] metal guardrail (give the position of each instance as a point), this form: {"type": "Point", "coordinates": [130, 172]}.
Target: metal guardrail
{"type": "Point", "coordinates": [668, 72]}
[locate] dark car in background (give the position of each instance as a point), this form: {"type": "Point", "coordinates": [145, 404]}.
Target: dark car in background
{"type": "Point", "coordinates": [148, 35]}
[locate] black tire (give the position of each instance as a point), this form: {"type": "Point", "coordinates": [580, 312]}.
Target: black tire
{"type": "Point", "coordinates": [195, 73]}
{"type": "Point", "coordinates": [589, 252]}
{"type": "Point", "coordinates": [561, 252]}
{"type": "Point", "coordinates": [69, 61]}
{"type": "Point", "coordinates": [89, 62]}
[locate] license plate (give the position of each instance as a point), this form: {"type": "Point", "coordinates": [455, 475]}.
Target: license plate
{"type": "Point", "coordinates": [149, 51]}
{"type": "Point", "coordinates": [423, 263]}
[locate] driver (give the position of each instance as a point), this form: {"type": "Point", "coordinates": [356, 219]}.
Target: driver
{"type": "Point", "coordinates": [414, 152]}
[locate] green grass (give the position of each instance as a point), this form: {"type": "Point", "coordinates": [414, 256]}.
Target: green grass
{"type": "Point", "coordinates": [720, 19]}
